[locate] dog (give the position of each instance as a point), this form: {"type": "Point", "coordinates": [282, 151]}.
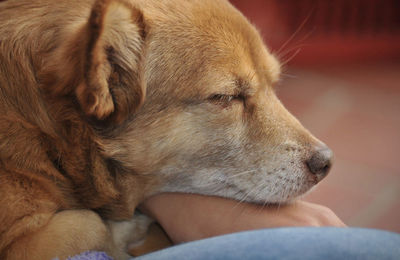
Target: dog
{"type": "Point", "coordinates": [104, 103]}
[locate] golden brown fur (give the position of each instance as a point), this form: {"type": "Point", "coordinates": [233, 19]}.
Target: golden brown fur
{"type": "Point", "coordinates": [103, 103]}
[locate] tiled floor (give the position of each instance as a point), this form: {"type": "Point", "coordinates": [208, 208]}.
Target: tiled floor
{"type": "Point", "coordinates": [355, 109]}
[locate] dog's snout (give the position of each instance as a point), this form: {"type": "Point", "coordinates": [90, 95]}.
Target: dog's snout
{"type": "Point", "coordinates": [320, 162]}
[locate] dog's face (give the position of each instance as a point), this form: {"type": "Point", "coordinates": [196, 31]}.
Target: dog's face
{"type": "Point", "coordinates": [211, 122]}
{"type": "Point", "coordinates": [189, 89]}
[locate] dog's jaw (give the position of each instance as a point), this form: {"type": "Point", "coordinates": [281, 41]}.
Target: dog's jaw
{"type": "Point", "coordinates": [260, 185]}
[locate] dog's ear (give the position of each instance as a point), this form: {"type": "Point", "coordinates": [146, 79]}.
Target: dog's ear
{"type": "Point", "coordinates": [112, 88]}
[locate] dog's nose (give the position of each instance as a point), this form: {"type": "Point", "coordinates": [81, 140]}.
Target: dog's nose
{"type": "Point", "coordinates": [320, 162]}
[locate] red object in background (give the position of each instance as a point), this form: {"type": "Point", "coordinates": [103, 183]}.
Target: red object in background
{"type": "Point", "coordinates": [321, 31]}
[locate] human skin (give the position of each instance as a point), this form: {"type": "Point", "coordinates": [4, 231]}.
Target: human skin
{"type": "Point", "coordinates": [188, 217]}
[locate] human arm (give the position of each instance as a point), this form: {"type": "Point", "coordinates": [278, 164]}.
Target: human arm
{"type": "Point", "coordinates": [187, 217]}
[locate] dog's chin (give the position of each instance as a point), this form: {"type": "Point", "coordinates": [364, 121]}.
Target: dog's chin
{"type": "Point", "coordinates": [287, 199]}
{"type": "Point", "coordinates": [262, 197]}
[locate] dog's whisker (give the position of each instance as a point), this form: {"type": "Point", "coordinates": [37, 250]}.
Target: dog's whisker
{"type": "Point", "coordinates": [289, 75]}
{"type": "Point", "coordinates": [303, 23]}
{"type": "Point", "coordinates": [286, 61]}
{"type": "Point", "coordinates": [248, 193]}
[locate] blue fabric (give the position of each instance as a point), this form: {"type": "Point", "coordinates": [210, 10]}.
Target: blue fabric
{"type": "Point", "coordinates": [289, 243]}
{"type": "Point", "coordinates": [91, 255]}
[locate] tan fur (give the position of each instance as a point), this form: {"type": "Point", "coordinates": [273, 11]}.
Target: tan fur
{"type": "Point", "coordinates": [104, 103]}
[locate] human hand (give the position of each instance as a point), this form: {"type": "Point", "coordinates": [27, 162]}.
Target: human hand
{"type": "Point", "coordinates": [188, 217]}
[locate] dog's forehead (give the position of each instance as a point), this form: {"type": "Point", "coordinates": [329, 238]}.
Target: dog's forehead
{"type": "Point", "coordinates": [209, 40]}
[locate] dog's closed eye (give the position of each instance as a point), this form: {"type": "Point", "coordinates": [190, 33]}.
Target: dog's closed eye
{"type": "Point", "coordinates": [225, 100]}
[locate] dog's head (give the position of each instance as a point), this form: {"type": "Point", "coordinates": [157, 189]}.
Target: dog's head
{"type": "Point", "coordinates": [189, 88]}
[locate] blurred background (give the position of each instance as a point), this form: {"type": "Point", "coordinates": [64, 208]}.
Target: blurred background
{"type": "Point", "coordinates": [341, 78]}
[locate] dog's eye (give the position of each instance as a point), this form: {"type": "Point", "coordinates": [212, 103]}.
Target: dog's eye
{"type": "Point", "coordinates": [225, 99]}
{"type": "Point", "coordinates": [222, 98]}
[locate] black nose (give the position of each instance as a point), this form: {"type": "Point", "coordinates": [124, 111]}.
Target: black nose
{"type": "Point", "coordinates": [320, 162]}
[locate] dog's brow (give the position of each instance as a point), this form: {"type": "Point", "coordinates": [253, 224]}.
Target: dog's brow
{"type": "Point", "coordinates": [239, 82]}
{"type": "Point", "coordinates": [275, 78]}
{"type": "Point", "coordinates": [245, 85]}
{"type": "Point", "coordinates": [241, 85]}
{"type": "Point", "coordinates": [274, 73]}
